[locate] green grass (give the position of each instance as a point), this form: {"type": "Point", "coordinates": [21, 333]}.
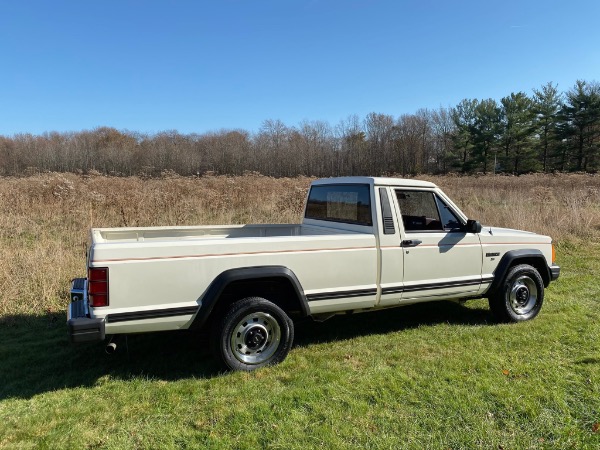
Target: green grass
{"type": "Point", "coordinates": [436, 375]}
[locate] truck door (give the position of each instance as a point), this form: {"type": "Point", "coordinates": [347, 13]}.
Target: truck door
{"type": "Point", "coordinates": [441, 259]}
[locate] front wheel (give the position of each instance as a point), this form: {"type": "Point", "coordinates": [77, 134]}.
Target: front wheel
{"type": "Point", "coordinates": [252, 334]}
{"type": "Point", "coordinates": [521, 295]}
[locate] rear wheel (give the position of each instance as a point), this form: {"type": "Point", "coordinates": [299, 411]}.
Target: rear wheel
{"type": "Point", "coordinates": [253, 333]}
{"type": "Point", "coordinates": [521, 295]}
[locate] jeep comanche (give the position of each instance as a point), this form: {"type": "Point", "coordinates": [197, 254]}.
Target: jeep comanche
{"type": "Point", "coordinates": [364, 244]}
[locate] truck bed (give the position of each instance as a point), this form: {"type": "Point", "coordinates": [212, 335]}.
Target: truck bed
{"type": "Point", "coordinates": [148, 265]}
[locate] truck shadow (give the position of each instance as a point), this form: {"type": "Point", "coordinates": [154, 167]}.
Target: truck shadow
{"type": "Point", "coordinates": [36, 357]}
{"type": "Point", "coordinates": [385, 321]}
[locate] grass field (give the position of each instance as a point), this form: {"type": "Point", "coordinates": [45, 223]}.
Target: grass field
{"type": "Point", "coordinates": [435, 375]}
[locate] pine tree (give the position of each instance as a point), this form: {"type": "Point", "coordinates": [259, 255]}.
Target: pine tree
{"type": "Point", "coordinates": [581, 114]}
{"type": "Point", "coordinates": [546, 107]}
{"type": "Point", "coordinates": [517, 132]}
{"type": "Point", "coordinates": [487, 128]}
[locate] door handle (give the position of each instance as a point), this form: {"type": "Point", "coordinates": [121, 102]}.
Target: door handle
{"type": "Point", "coordinates": [411, 243]}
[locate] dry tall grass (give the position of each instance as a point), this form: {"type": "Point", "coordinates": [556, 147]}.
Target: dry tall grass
{"type": "Point", "coordinates": [564, 206]}
{"type": "Point", "coordinates": [44, 219]}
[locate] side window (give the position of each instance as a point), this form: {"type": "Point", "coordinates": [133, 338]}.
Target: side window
{"type": "Point", "coordinates": [419, 210]}
{"type": "Point", "coordinates": [425, 211]}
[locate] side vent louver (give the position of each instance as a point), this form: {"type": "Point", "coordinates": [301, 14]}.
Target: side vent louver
{"type": "Point", "coordinates": [386, 209]}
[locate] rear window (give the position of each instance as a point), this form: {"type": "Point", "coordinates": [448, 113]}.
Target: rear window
{"type": "Point", "coordinates": [340, 203]}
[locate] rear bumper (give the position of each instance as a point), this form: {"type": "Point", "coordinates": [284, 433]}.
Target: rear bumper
{"type": "Point", "coordinates": [554, 272]}
{"type": "Point", "coordinates": [81, 327]}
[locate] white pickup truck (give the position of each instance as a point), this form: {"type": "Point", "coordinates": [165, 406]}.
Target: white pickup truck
{"type": "Point", "coordinates": [364, 244]}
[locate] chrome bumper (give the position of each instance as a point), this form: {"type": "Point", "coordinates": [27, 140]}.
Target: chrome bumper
{"type": "Point", "coordinates": [81, 327]}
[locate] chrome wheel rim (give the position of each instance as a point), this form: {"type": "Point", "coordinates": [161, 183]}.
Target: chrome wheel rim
{"type": "Point", "coordinates": [523, 295]}
{"type": "Point", "coordinates": [255, 338]}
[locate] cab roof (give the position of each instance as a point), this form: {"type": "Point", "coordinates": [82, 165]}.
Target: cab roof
{"type": "Point", "coordinates": [375, 181]}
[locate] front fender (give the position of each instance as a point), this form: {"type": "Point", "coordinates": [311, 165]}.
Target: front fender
{"type": "Point", "coordinates": [533, 257]}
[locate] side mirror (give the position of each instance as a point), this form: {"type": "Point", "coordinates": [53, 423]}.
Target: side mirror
{"type": "Point", "coordinates": [473, 226]}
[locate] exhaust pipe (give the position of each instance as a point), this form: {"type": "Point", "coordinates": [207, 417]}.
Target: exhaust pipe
{"type": "Point", "coordinates": [110, 348]}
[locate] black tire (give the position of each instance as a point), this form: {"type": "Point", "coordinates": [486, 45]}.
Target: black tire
{"type": "Point", "coordinates": [252, 333]}
{"type": "Point", "coordinates": [520, 296]}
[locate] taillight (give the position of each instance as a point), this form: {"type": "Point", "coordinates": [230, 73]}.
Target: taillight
{"type": "Point", "coordinates": [553, 254]}
{"type": "Point", "coordinates": [98, 286]}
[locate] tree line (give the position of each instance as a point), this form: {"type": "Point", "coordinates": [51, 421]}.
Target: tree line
{"type": "Point", "coordinates": [545, 131]}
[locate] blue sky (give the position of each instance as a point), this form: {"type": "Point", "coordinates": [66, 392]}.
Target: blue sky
{"type": "Point", "coordinates": [196, 66]}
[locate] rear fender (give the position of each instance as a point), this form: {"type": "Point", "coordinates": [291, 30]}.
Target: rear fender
{"type": "Point", "coordinates": [225, 279]}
